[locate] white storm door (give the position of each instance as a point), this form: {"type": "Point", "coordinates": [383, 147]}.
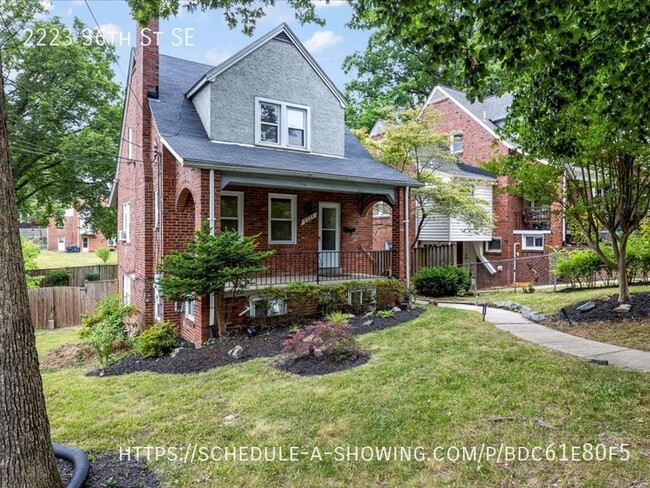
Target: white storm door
{"type": "Point", "coordinates": [329, 234]}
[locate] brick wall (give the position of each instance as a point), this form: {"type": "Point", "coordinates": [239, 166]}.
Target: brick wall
{"type": "Point", "coordinates": [70, 232]}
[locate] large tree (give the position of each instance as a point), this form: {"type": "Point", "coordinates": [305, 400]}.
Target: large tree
{"type": "Point", "coordinates": [64, 117]}
{"type": "Point", "coordinates": [386, 74]}
{"type": "Point", "coordinates": [26, 456]}
{"type": "Point", "coordinates": [577, 71]}
{"type": "Point", "coordinates": [411, 145]}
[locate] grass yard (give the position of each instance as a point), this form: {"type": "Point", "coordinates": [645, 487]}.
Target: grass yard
{"type": "Point", "coordinates": [54, 259]}
{"type": "Point", "coordinates": [634, 334]}
{"type": "Point", "coordinates": [46, 340]}
{"type": "Point", "coordinates": [444, 379]}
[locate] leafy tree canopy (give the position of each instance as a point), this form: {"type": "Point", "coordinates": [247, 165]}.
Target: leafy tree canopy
{"type": "Point", "coordinates": [64, 116]}
{"type": "Point", "coordinates": [577, 71]}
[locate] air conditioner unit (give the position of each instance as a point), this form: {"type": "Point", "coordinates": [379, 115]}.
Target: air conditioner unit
{"type": "Point", "coordinates": [122, 235]}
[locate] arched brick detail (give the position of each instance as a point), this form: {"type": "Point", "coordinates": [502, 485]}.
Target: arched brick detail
{"type": "Point", "coordinates": [366, 202]}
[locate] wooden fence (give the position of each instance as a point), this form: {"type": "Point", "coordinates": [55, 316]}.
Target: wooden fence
{"type": "Point", "coordinates": [66, 304]}
{"type": "Point", "coordinates": [78, 273]}
{"type": "Point", "coordinates": [430, 256]}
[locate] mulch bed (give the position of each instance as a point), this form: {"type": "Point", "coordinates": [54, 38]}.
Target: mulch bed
{"type": "Point", "coordinates": [267, 343]}
{"type": "Point", "coordinates": [107, 470]}
{"type": "Point", "coordinates": [319, 365]}
{"type": "Point", "coordinates": [604, 311]}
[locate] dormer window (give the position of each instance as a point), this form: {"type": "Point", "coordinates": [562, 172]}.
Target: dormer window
{"type": "Point", "coordinates": [281, 124]}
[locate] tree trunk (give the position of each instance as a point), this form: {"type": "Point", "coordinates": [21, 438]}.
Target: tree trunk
{"type": "Point", "coordinates": [26, 456]}
{"type": "Point", "coordinates": [623, 286]}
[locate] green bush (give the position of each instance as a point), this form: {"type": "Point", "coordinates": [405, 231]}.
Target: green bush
{"type": "Point", "coordinates": [58, 278]}
{"type": "Point", "coordinates": [105, 330]}
{"type": "Point", "coordinates": [157, 340]}
{"type": "Point", "coordinates": [30, 253]}
{"type": "Point", "coordinates": [103, 253]}
{"type": "Point", "coordinates": [337, 318]}
{"type": "Point", "coordinates": [582, 267]}
{"type": "Point", "coordinates": [92, 277]}
{"type": "Point", "coordinates": [385, 314]}
{"type": "Point", "coordinates": [442, 281]}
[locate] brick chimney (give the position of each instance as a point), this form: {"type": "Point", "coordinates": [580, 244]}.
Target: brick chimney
{"type": "Point", "coordinates": [147, 57]}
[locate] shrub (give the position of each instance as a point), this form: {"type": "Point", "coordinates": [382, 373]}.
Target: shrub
{"type": "Point", "coordinates": [58, 278]}
{"type": "Point", "coordinates": [103, 253]}
{"type": "Point", "coordinates": [30, 253]}
{"type": "Point", "coordinates": [92, 277]}
{"type": "Point", "coordinates": [337, 318]}
{"type": "Point", "coordinates": [105, 330]}
{"type": "Point", "coordinates": [321, 337]}
{"type": "Point", "coordinates": [442, 281]}
{"type": "Point", "coordinates": [582, 266]}
{"type": "Point", "coordinates": [385, 314]}
{"type": "Point", "coordinates": [157, 340]}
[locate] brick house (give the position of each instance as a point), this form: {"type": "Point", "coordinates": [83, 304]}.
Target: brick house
{"type": "Point", "coordinates": [257, 144]}
{"type": "Point", "coordinates": [71, 230]}
{"type": "Point", "coordinates": [523, 229]}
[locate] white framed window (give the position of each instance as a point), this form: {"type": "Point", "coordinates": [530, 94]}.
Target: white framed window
{"type": "Point", "coordinates": [381, 209]}
{"type": "Point", "coordinates": [157, 302]}
{"type": "Point", "coordinates": [189, 310]}
{"type": "Point", "coordinates": [495, 245]}
{"type": "Point", "coordinates": [456, 142]}
{"type": "Point", "coordinates": [126, 222]}
{"type": "Point", "coordinates": [388, 245]}
{"type": "Point", "coordinates": [156, 209]}
{"type": "Point", "coordinates": [362, 296]}
{"type": "Point", "coordinates": [532, 242]}
{"type": "Point", "coordinates": [130, 144]}
{"type": "Point", "coordinates": [282, 219]}
{"type": "Point", "coordinates": [69, 212]}
{"type": "Point", "coordinates": [232, 211]}
{"type": "Point", "coordinates": [267, 307]}
{"type": "Point", "coordinates": [281, 124]}
{"type": "Point", "coordinates": [126, 289]}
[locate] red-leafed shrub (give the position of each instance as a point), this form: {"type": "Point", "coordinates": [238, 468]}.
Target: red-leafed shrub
{"type": "Point", "coordinates": [323, 338]}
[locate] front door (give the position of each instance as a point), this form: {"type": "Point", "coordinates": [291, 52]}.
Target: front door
{"type": "Point", "coordinates": [61, 244]}
{"type": "Point", "coordinates": [84, 244]}
{"type": "Point", "coordinates": [329, 234]}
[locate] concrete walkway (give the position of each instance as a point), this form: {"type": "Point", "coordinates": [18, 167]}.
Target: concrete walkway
{"type": "Point", "coordinates": [544, 336]}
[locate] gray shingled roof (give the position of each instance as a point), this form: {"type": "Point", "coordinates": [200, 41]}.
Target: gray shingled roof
{"type": "Point", "coordinates": [462, 170]}
{"type": "Point", "coordinates": [180, 126]}
{"type": "Point", "coordinates": [492, 110]}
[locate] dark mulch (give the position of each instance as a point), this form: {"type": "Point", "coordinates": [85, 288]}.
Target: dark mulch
{"type": "Point", "coordinates": [267, 343]}
{"type": "Point", "coordinates": [66, 470]}
{"type": "Point", "coordinates": [319, 365]}
{"type": "Point", "coordinates": [604, 311]}
{"type": "Point", "coordinates": [107, 470]}
{"type": "Point", "coordinates": [378, 323]}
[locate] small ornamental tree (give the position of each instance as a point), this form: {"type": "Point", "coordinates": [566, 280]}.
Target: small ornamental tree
{"type": "Point", "coordinates": [103, 253]}
{"type": "Point", "coordinates": [30, 253]}
{"type": "Point", "coordinates": [212, 265]}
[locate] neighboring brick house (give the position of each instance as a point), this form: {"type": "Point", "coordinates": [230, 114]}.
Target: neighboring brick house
{"type": "Point", "coordinates": [522, 229]}
{"type": "Point", "coordinates": [258, 144]}
{"type": "Point", "coordinates": [71, 230]}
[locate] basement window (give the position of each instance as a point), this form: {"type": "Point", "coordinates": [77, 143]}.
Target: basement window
{"type": "Point", "coordinates": [495, 245]}
{"type": "Point", "coordinates": [532, 242]}
{"type": "Point", "coordinates": [267, 307]}
{"type": "Point", "coordinates": [358, 297]}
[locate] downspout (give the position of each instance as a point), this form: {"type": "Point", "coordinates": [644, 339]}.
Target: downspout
{"type": "Point", "coordinates": [407, 243]}
{"type": "Point", "coordinates": [514, 265]}
{"type": "Point", "coordinates": [211, 220]}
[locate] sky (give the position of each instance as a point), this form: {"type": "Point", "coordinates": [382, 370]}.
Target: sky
{"type": "Point", "coordinates": [205, 37]}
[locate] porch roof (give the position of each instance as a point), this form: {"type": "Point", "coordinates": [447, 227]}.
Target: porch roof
{"type": "Point", "coordinates": [183, 133]}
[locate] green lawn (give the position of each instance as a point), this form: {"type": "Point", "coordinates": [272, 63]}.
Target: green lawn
{"type": "Point", "coordinates": [53, 259]}
{"type": "Point", "coordinates": [444, 379]}
{"type": "Point", "coordinates": [46, 340]}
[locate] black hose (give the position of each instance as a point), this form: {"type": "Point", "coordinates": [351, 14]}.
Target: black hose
{"type": "Point", "coordinates": [78, 459]}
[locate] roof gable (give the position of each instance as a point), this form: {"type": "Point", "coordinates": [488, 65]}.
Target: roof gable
{"type": "Point", "coordinates": [281, 33]}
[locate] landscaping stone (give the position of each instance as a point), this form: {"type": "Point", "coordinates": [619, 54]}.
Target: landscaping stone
{"type": "Point", "coordinates": [530, 314]}
{"type": "Point", "coordinates": [585, 307]}
{"type": "Point", "coordinates": [397, 309]}
{"type": "Point", "coordinates": [236, 352]}
{"type": "Point", "coordinates": [368, 323]}
{"type": "Point", "coordinates": [369, 314]}
{"type": "Point", "coordinates": [175, 352]}
{"type": "Point", "coordinates": [623, 308]}
{"type": "Point", "coordinates": [605, 298]}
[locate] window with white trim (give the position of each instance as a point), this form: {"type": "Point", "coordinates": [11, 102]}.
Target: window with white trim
{"type": "Point", "coordinates": [189, 310]}
{"type": "Point", "coordinates": [456, 142]}
{"type": "Point", "coordinates": [126, 289]}
{"type": "Point", "coordinates": [126, 221]}
{"type": "Point", "coordinates": [281, 124]}
{"type": "Point", "coordinates": [282, 219]}
{"type": "Point", "coordinates": [388, 245]}
{"type": "Point", "coordinates": [232, 211]}
{"type": "Point", "coordinates": [156, 209]}
{"type": "Point", "coordinates": [532, 242]}
{"type": "Point", "coordinates": [157, 302]}
{"type": "Point", "coordinates": [495, 245]}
